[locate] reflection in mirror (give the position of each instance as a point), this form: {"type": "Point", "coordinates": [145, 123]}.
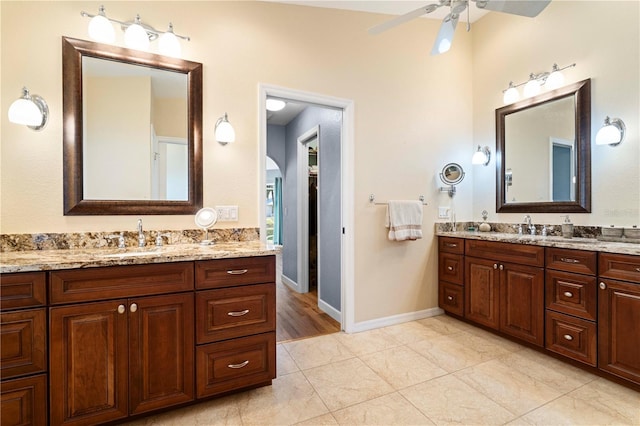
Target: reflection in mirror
{"type": "Point", "coordinates": [543, 147]}
{"type": "Point", "coordinates": [149, 145]}
{"type": "Point", "coordinates": [132, 131]}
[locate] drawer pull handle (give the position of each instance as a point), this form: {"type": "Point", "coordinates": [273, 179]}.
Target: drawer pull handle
{"type": "Point", "coordinates": [237, 271]}
{"type": "Point", "coordinates": [452, 245]}
{"type": "Point", "coordinates": [238, 314]}
{"type": "Point", "coordinates": [449, 297]}
{"type": "Point", "coordinates": [121, 309]}
{"type": "Point", "coordinates": [637, 269]}
{"type": "Point", "coordinates": [450, 268]}
{"type": "Point", "coordinates": [241, 365]}
{"type": "Point", "coordinates": [603, 286]}
{"type": "Point", "coordinates": [569, 260]}
{"type": "Point", "coordinates": [568, 337]}
{"type": "Point", "coordinates": [568, 294]}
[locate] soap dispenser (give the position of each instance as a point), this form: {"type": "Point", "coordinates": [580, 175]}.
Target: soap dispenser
{"type": "Point", "coordinates": [567, 228]}
{"type": "Point", "coordinates": [484, 226]}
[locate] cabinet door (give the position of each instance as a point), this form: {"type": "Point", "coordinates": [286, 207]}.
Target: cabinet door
{"type": "Point", "coordinates": [618, 330]}
{"type": "Point", "coordinates": [481, 291]}
{"type": "Point", "coordinates": [161, 344]}
{"type": "Point", "coordinates": [88, 363]}
{"type": "Point", "coordinates": [522, 302]}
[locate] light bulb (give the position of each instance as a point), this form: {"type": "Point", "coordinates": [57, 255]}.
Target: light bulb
{"type": "Point", "coordinates": [444, 46]}
{"type": "Point", "coordinates": [101, 30]}
{"type": "Point", "coordinates": [168, 44]}
{"type": "Point", "coordinates": [25, 111]}
{"type": "Point", "coordinates": [555, 80]}
{"type": "Point", "coordinates": [479, 157]}
{"type": "Point", "coordinates": [511, 95]}
{"type": "Point", "coordinates": [136, 37]}
{"type": "Point", "coordinates": [608, 135]}
{"type": "Point", "coordinates": [532, 88]}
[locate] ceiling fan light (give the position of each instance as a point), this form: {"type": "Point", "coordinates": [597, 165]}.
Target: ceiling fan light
{"type": "Point", "coordinates": [445, 35]}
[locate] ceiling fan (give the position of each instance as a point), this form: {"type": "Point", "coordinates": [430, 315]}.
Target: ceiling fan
{"type": "Point", "coordinates": [529, 8]}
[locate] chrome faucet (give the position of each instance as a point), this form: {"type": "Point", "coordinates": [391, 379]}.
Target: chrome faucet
{"type": "Point", "coordinates": [141, 239]}
{"type": "Point", "coordinates": [530, 225]}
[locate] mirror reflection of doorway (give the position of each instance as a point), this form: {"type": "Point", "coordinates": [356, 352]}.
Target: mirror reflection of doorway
{"type": "Point", "coordinates": [562, 179]}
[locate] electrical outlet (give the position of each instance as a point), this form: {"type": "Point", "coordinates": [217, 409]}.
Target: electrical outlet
{"type": "Point", "coordinates": [443, 212]}
{"type": "Point", "coordinates": [227, 213]}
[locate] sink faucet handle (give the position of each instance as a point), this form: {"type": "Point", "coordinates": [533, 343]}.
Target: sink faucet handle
{"type": "Point", "coordinates": [159, 239]}
{"type": "Point", "coordinates": [120, 238]}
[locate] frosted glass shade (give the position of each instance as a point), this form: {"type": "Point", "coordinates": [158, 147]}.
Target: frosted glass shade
{"type": "Point", "coordinates": [101, 30]}
{"type": "Point", "coordinates": [169, 45]}
{"type": "Point", "coordinates": [532, 88]}
{"type": "Point", "coordinates": [135, 37]}
{"type": "Point", "coordinates": [275, 104]}
{"type": "Point", "coordinates": [26, 112]}
{"type": "Point", "coordinates": [224, 131]}
{"type": "Point", "coordinates": [555, 80]}
{"type": "Point", "coordinates": [511, 95]}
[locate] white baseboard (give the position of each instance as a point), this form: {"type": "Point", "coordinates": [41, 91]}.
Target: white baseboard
{"type": "Point", "coordinates": [330, 310]}
{"type": "Point", "coordinates": [394, 319]}
{"type": "Point", "coordinates": [290, 283]}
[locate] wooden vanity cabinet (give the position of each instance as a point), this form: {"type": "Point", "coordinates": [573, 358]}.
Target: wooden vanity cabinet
{"type": "Point", "coordinates": [504, 288]}
{"type": "Point", "coordinates": [571, 304]}
{"type": "Point", "coordinates": [23, 340]}
{"type": "Point", "coordinates": [451, 275]}
{"type": "Point", "coordinates": [236, 320]}
{"type": "Point", "coordinates": [119, 357]}
{"type": "Point", "coordinates": [619, 315]}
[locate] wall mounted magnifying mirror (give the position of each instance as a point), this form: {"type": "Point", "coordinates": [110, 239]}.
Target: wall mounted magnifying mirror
{"type": "Point", "coordinates": [132, 131]}
{"type": "Point", "coordinates": [543, 152]}
{"type": "Point", "coordinates": [451, 175]}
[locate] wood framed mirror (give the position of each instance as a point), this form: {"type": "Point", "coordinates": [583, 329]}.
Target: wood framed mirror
{"type": "Point", "coordinates": [132, 131]}
{"type": "Point", "coordinates": [543, 152]}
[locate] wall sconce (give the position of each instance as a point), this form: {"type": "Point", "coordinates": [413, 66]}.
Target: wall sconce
{"type": "Point", "coordinates": [481, 156]}
{"type": "Point", "coordinates": [224, 131]}
{"type": "Point", "coordinates": [137, 35]}
{"type": "Point", "coordinates": [29, 110]}
{"type": "Point", "coordinates": [551, 80]}
{"type": "Point", "coordinates": [612, 132]}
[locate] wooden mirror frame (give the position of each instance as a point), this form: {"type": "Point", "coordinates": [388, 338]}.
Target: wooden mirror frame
{"type": "Point", "coordinates": [73, 50]}
{"type": "Point", "coordinates": [582, 101]}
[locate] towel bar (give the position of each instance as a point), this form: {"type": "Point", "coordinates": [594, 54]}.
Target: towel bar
{"type": "Point", "coordinates": [372, 200]}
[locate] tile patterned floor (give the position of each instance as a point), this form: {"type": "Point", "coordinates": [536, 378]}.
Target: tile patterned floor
{"type": "Point", "coordinates": [436, 371]}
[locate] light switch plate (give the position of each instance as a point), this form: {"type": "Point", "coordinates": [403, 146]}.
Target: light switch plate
{"type": "Point", "coordinates": [227, 213]}
{"type": "Point", "coordinates": [443, 212]}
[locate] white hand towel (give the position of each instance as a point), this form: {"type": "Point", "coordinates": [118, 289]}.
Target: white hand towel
{"type": "Point", "coordinates": [404, 220]}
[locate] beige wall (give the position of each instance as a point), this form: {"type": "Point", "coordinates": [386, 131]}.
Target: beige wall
{"type": "Point", "coordinates": [603, 39]}
{"type": "Point", "coordinates": [413, 112]}
{"type": "Point", "coordinates": [170, 117]}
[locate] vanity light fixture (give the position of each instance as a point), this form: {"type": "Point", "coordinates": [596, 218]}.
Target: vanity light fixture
{"type": "Point", "coordinates": [533, 86]}
{"type": "Point", "coordinates": [224, 131]}
{"type": "Point", "coordinates": [137, 35]}
{"type": "Point", "coordinates": [481, 156]}
{"type": "Point", "coordinates": [29, 110]}
{"type": "Point", "coordinates": [612, 132]}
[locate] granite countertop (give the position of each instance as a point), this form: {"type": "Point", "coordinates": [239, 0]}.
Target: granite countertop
{"type": "Point", "coordinates": [47, 260]}
{"type": "Point", "coordinates": [550, 241]}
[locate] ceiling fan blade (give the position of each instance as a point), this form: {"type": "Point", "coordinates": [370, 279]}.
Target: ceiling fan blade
{"type": "Point", "coordinates": [529, 8]}
{"type": "Point", "coordinates": [403, 18]}
{"type": "Point", "coordinates": [445, 35]}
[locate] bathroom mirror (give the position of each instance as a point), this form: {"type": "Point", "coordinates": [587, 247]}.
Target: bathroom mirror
{"type": "Point", "coordinates": [543, 148]}
{"type": "Point", "coordinates": [132, 134]}
{"type": "Point", "coordinates": [452, 174]}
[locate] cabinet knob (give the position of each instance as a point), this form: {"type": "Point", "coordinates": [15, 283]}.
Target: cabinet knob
{"type": "Point", "coordinates": [603, 286]}
{"type": "Point", "coordinates": [242, 364]}
{"type": "Point", "coordinates": [121, 309]}
{"type": "Point", "coordinates": [568, 294]}
{"type": "Point", "coordinates": [502, 267]}
{"type": "Point", "coordinates": [133, 307]}
{"type": "Point", "coordinates": [568, 337]}
{"type": "Point", "coordinates": [450, 268]}
{"type": "Point", "coordinates": [449, 297]}
{"type": "Point", "coordinates": [495, 266]}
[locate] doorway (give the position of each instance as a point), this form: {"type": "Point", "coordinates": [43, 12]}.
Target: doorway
{"type": "Point", "coordinates": [335, 297]}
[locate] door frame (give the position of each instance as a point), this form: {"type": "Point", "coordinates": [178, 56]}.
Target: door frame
{"type": "Point", "coordinates": [303, 209]}
{"type": "Point", "coordinates": [347, 317]}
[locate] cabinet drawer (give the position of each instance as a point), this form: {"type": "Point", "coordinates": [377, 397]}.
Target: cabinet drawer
{"type": "Point", "coordinates": [232, 272]}
{"type": "Point", "coordinates": [24, 401]}
{"type": "Point", "coordinates": [450, 245]}
{"type": "Point", "coordinates": [578, 261]}
{"type": "Point", "coordinates": [505, 252]}
{"type": "Point", "coordinates": [451, 298]}
{"type": "Point", "coordinates": [23, 340]}
{"type": "Point", "coordinates": [572, 337]}
{"type": "Point", "coordinates": [235, 364]}
{"type": "Point", "coordinates": [23, 290]}
{"type": "Point", "coordinates": [87, 285]}
{"type": "Point", "coordinates": [451, 268]}
{"type": "Point", "coordinates": [620, 266]}
{"type": "Point", "coordinates": [572, 294]}
{"type": "Point", "coordinates": [234, 312]}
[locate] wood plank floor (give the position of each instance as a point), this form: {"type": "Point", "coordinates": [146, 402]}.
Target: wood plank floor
{"type": "Point", "coordinates": [297, 314]}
